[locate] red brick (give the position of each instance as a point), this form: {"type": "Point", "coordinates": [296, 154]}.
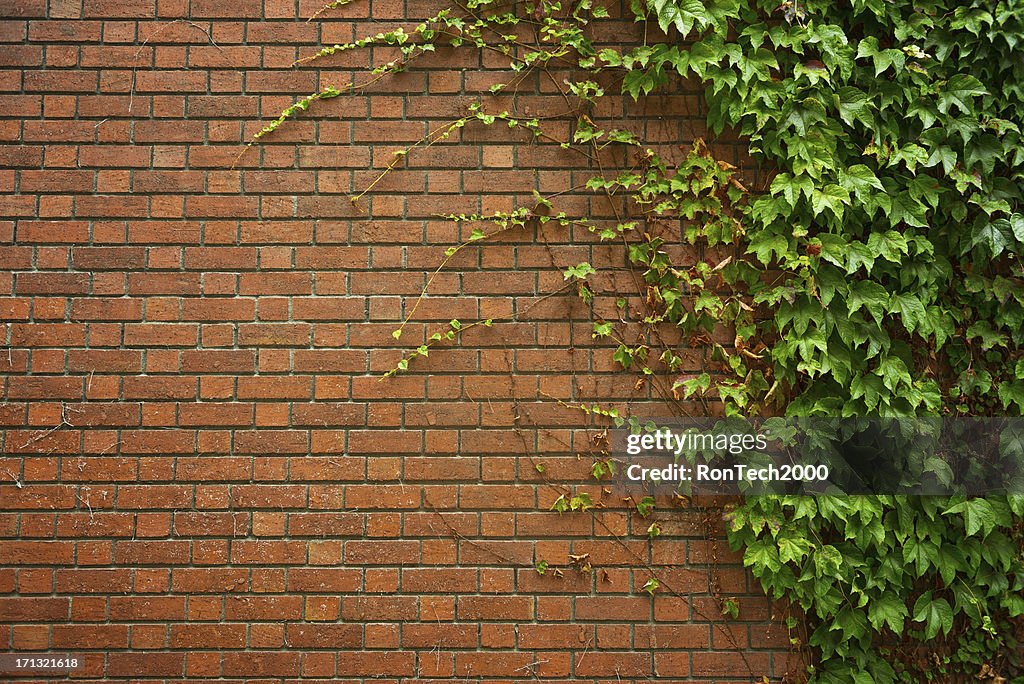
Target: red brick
{"type": "Point", "coordinates": [90, 636]}
{"type": "Point", "coordinates": [34, 609]}
{"type": "Point", "coordinates": [372, 664]}
{"type": "Point", "coordinates": [161, 335]}
{"type": "Point", "coordinates": [484, 608]}
{"type": "Point", "coordinates": [48, 335]}
{"type": "Point", "coordinates": [132, 664]}
{"type": "Point", "coordinates": [36, 552]}
{"type": "Point", "coordinates": [274, 334]}
{"type": "Point", "coordinates": [382, 552]}
{"type": "Point", "coordinates": [200, 636]}
{"type": "Point", "coordinates": [277, 608]}
{"type": "Point", "coordinates": [209, 580]}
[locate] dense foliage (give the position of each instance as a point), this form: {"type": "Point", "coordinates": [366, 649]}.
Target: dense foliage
{"type": "Point", "coordinates": [895, 220]}
{"type": "Point", "coordinates": [896, 212]}
{"type": "Point", "coordinates": [877, 273]}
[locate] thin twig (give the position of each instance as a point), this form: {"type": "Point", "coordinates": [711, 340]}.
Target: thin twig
{"type": "Point", "coordinates": [143, 44]}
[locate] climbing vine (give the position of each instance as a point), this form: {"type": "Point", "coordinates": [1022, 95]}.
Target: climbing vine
{"type": "Point", "coordinates": [876, 272]}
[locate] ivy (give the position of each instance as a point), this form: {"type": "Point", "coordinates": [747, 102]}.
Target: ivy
{"type": "Point", "coordinates": [876, 273]}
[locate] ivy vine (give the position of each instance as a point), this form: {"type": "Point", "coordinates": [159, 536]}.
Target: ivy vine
{"type": "Point", "coordinates": [877, 272]}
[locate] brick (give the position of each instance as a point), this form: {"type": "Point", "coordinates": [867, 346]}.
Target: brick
{"type": "Point", "coordinates": [202, 636]}
{"type": "Point", "coordinates": [208, 310]}
{"type": "Point", "coordinates": [36, 552]}
{"type": "Point", "coordinates": [209, 580]}
{"type": "Point", "coordinates": [371, 664]}
{"type": "Point", "coordinates": [263, 608]}
{"type": "Point", "coordinates": [52, 284]}
{"type": "Point", "coordinates": [133, 608]}
{"type": "Point", "coordinates": [35, 609]}
{"type": "Point", "coordinates": [378, 608]}
{"type": "Point", "coordinates": [110, 9]}
{"type": "Point", "coordinates": [48, 335]}
{"type": "Point", "coordinates": [381, 552]}
{"type": "Point", "coordinates": [448, 581]}
{"type": "Point", "coordinates": [612, 608]}
{"type": "Point", "coordinates": [269, 496]}
{"type": "Point", "coordinates": [161, 335]}
{"type": "Point", "coordinates": [215, 414]}
{"type": "Point", "coordinates": [48, 388]}
{"type": "Point", "coordinates": [90, 636]}
{"type": "Point", "coordinates": [324, 636]}
{"type": "Point", "coordinates": [274, 334]}
{"type": "Point", "coordinates": [106, 310]}
{"type": "Point", "coordinates": [484, 608]}
{"type": "Point", "coordinates": [275, 387]}
{"type": "Point", "coordinates": [272, 442]}
{"type": "Point", "coordinates": [160, 664]}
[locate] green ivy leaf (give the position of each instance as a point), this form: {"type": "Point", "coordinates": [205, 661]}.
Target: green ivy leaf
{"type": "Point", "coordinates": [995, 236]}
{"type": "Point", "coordinates": [890, 245]}
{"type": "Point", "coordinates": [893, 372]}
{"type": "Point", "coordinates": [958, 92]}
{"type": "Point", "coordinates": [887, 609]}
{"type": "Point", "coordinates": [793, 549]}
{"type": "Point", "coordinates": [854, 105]}
{"type": "Point", "coordinates": [1017, 226]}
{"type": "Point", "coordinates": [859, 180]}
{"type": "Point", "coordinates": [936, 614]}
{"type": "Point", "coordinates": [978, 516]}
{"type": "Point", "coordinates": [765, 244]}
{"type": "Point", "coordinates": [871, 296]}
{"type": "Point", "coordinates": [682, 14]}
{"type": "Point", "coordinates": [579, 272]}
{"type": "Point", "coordinates": [906, 209]}
{"type": "Point", "coordinates": [1012, 393]}
{"type": "Point", "coordinates": [831, 197]}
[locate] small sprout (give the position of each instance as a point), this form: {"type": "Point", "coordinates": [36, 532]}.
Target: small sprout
{"type": "Point", "coordinates": [651, 586]}
{"type": "Point", "coordinates": [397, 334]}
{"type": "Point", "coordinates": [654, 530]}
{"type": "Point", "coordinates": [645, 506]}
{"type": "Point", "coordinates": [579, 272]}
{"type": "Point", "coordinates": [539, 467]}
{"type": "Point", "coordinates": [731, 608]}
{"type": "Point", "coordinates": [541, 567]}
{"type": "Point", "coordinates": [603, 468]}
{"type": "Point", "coordinates": [581, 502]}
{"type": "Point", "coordinates": [602, 329]}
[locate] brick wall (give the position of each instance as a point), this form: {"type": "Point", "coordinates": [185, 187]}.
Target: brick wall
{"type": "Point", "coordinates": [203, 475]}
